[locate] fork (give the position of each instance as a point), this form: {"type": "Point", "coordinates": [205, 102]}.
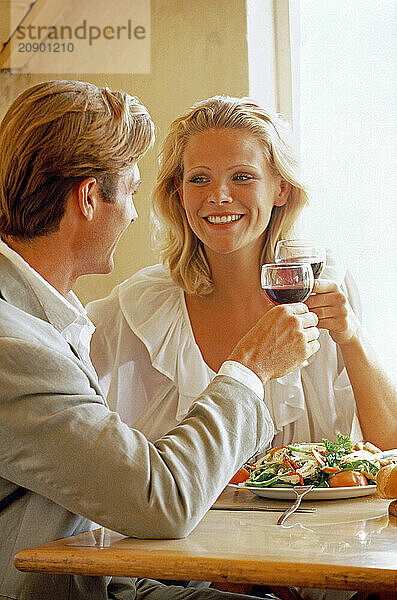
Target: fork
{"type": "Point", "coordinates": [300, 491]}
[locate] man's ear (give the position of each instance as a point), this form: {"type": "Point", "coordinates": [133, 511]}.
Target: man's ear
{"type": "Point", "coordinates": [283, 189]}
{"type": "Point", "coordinates": [179, 188]}
{"type": "Point", "coordinates": [87, 196]}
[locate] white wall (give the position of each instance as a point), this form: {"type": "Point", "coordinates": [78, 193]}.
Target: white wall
{"type": "Point", "coordinates": [348, 125]}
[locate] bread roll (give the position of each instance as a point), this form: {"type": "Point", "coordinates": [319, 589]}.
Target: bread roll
{"type": "Point", "coordinates": [386, 481]}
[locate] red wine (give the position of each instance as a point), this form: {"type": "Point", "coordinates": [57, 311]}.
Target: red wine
{"type": "Point", "coordinates": [287, 295]}
{"type": "Point", "coordinates": [317, 268]}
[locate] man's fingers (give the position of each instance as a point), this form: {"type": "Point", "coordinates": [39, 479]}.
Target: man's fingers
{"type": "Point", "coordinates": [311, 333]}
{"type": "Point", "coordinates": [313, 346]}
{"type": "Point", "coordinates": [309, 319]}
{"type": "Point", "coordinates": [298, 308]}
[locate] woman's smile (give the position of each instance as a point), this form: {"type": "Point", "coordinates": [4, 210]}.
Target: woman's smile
{"type": "Point", "coordinates": [223, 219]}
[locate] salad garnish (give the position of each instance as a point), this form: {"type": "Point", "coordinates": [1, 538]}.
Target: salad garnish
{"type": "Point", "coordinates": [309, 463]}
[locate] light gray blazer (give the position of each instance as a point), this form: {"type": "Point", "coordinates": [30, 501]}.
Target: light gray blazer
{"type": "Point", "coordinates": [80, 465]}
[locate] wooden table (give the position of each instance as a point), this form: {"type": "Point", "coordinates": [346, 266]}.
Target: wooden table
{"type": "Point", "coordinates": [345, 544]}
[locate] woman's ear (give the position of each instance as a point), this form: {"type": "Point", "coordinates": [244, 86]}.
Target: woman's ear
{"type": "Point", "coordinates": [283, 189]}
{"type": "Point", "coordinates": [179, 188]}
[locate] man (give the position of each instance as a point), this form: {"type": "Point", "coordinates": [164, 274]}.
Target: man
{"type": "Point", "coordinates": [68, 171]}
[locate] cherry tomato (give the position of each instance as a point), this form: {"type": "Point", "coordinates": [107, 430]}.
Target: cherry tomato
{"type": "Point", "coordinates": [241, 475]}
{"type": "Point", "coordinates": [347, 479]}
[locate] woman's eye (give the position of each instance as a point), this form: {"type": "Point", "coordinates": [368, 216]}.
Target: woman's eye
{"type": "Point", "coordinates": [198, 179]}
{"type": "Point", "coordinates": [242, 177]}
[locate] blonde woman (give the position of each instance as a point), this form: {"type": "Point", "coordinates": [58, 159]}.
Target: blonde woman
{"type": "Point", "coordinates": [228, 189]}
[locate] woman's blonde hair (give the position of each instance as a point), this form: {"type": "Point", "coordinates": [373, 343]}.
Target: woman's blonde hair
{"type": "Point", "coordinates": [179, 246]}
{"type": "Point", "coordinates": [53, 136]}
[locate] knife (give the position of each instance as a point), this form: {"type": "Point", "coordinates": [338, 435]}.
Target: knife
{"type": "Point", "coordinates": [262, 508]}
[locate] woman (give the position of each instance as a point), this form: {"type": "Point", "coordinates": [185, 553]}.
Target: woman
{"type": "Point", "coordinates": [228, 189]}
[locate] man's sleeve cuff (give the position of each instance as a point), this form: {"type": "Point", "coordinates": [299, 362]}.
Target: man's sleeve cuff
{"type": "Point", "coordinates": [244, 375]}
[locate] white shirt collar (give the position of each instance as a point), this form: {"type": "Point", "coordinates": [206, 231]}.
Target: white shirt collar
{"type": "Point", "coordinates": [67, 314]}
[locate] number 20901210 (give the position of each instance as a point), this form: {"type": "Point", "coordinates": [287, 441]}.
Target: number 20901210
{"type": "Point", "coordinates": [45, 47]}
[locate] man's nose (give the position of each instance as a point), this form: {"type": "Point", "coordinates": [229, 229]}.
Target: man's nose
{"type": "Point", "coordinates": [134, 214]}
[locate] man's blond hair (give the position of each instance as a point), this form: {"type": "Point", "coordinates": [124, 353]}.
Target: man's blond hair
{"type": "Point", "coordinates": [53, 136]}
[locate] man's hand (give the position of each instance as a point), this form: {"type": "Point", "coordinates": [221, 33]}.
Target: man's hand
{"type": "Point", "coordinates": [280, 341]}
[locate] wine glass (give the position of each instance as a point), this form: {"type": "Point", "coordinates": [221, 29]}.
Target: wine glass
{"type": "Point", "coordinates": [287, 282]}
{"type": "Point", "coordinates": [301, 251]}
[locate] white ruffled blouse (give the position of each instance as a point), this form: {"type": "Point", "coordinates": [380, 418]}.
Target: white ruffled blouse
{"type": "Point", "coordinates": [151, 368]}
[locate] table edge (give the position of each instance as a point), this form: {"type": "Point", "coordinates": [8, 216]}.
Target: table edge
{"type": "Point", "coordinates": [91, 561]}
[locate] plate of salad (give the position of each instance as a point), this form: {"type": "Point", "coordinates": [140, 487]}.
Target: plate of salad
{"type": "Point", "coordinates": [336, 469]}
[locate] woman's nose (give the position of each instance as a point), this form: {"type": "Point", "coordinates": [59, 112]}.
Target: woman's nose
{"type": "Point", "coordinates": [219, 195]}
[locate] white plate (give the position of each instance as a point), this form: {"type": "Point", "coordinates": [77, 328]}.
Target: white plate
{"type": "Point", "coordinates": [314, 494]}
